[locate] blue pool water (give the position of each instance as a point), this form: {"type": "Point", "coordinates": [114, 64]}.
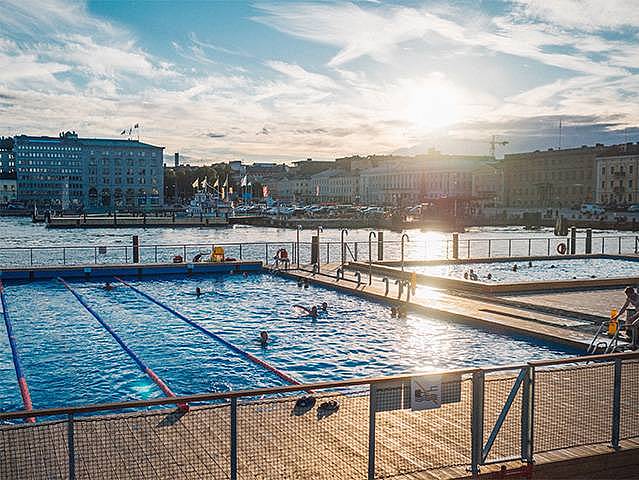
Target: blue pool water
{"type": "Point", "coordinates": [69, 359]}
{"type": "Point", "coordinates": [541, 270]}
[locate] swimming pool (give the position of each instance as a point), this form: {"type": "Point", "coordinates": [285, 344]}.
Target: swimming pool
{"type": "Point", "coordinates": [541, 270]}
{"type": "Point", "coordinates": [69, 359]}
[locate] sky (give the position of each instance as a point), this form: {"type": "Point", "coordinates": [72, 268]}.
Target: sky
{"type": "Point", "coordinates": [283, 80]}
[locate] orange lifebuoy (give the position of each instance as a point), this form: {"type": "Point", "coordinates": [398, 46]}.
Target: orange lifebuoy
{"type": "Point", "coordinates": [561, 248]}
{"type": "Point", "coordinates": [178, 259]}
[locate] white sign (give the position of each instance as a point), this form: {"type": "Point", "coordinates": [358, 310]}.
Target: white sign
{"type": "Point", "coordinates": [426, 392]}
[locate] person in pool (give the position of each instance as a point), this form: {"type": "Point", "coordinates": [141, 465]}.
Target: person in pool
{"type": "Point", "coordinates": [108, 287]}
{"type": "Point", "coordinates": [472, 275]}
{"type": "Point", "coordinates": [324, 306]}
{"type": "Point", "coordinates": [311, 312]}
{"type": "Point", "coordinates": [264, 338]}
{"type": "Point", "coordinates": [632, 322]}
{"type": "Point", "coordinates": [198, 291]}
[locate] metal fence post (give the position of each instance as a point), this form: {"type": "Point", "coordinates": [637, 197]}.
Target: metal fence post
{"type": "Point", "coordinates": [616, 405]}
{"type": "Point", "coordinates": [477, 422]}
{"type": "Point", "coordinates": [355, 251]}
{"type": "Point", "coordinates": [156, 255]}
{"type": "Point", "coordinates": [371, 431]}
{"type": "Point", "coordinates": [549, 247]}
{"type": "Point", "coordinates": [529, 247]}
{"type": "Point", "coordinates": [233, 452]}
{"type": "Point", "coordinates": [328, 252]}
{"type": "Point", "coordinates": [510, 246]}
{"type": "Point", "coordinates": [126, 255]}
{"type": "Point", "coordinates": [240, 251]}
{"type": "Point", "coordinates": [266, 252]}
{"type": "Point", "coordinates": [468, 249]}
{"type": "Point", "coordinates": [71, 447]}
{"type": "Point", "coordinates": [603, 242]}
{"type": "Point", "coordinates": [31, 256]}
{"type": "Point", "coordinates": [489, 246]}
{"type": "Point", "coordinates": [184, 257]}
{"type": "Point", "coordinates": [527, 415]}
{"type": "Point", "coordinates": [64, 256]}
{"type": "Point", "coordinates": [619, 245]}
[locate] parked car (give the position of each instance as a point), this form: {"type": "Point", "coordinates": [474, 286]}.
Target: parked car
{"type": "Point", "coordinates": [633, 208]}
{"type": "Point", "coordinates": [592, 209]}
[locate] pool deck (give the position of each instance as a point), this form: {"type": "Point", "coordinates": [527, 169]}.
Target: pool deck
{"type": "Point", "coordinates": [274, 443]}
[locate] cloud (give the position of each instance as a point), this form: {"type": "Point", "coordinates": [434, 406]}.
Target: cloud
{"type": "Point", "coordinates": [302, 76]}
{"type": "Point", "coordinates": [215, 135]}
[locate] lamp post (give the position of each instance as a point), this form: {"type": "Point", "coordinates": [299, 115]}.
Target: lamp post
{"type": "Point", "coordinates": [371, 235]}
{"type": "Point", "coordinates": [319, 248]}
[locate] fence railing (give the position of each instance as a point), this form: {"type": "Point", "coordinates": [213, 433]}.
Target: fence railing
{"type": "Point", "coordinates": [359, 428]}
{"type": "Point", "coordinates": [329, 251]}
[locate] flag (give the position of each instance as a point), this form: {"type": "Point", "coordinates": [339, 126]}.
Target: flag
{"type": "Point", "coordinates": [226, 182]}
{"type": "Point", "coordinates": [265, 191]}
{"type": "Point", "coordinates": [244, 181]}
{"type": "Point", "coordinates": [230, 190]}
{"type": "Point", "coordinates": [216, 185]}
{"type": "Point", "coordinates": [196, 184]}
{"type": "Point", "coordinates": [317, 190]}
{"type": "Point", "coordinates": [123, 132]}
{"type": "Point", "coordinates": [205, 182]}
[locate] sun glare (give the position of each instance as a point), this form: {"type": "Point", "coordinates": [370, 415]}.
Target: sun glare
{"type": "Point", "coordinates": [430, 104]}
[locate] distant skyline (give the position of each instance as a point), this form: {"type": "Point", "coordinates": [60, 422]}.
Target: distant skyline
{"type": "Point", "coordinates": [282, 80]}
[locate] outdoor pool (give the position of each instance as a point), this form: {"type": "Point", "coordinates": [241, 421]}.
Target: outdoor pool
{"type": "Point", "coordinates": [541, 270]}
{"type": "Point", "coordinates": [68, 358]}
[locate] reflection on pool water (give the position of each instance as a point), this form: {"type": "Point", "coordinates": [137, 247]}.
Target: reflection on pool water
{"type": "Point", "coordinates": [541, 270]}
{"type": "Point", "coordinates": [69, 359]}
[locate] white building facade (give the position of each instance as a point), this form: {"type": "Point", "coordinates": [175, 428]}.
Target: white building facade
{"type": "Point", "coordinates": [617, 178]}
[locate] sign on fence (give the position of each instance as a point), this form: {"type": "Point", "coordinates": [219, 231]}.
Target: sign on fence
{"type": "Point", "coordinates": [426, 392]}
{"type": "Point", "coordinates": [417, 393]}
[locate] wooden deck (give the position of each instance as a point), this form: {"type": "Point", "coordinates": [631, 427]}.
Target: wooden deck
{"type": "Point", "coordinates": [277, 442]}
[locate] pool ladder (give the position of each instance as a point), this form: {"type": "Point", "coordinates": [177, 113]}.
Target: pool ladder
{"type": "Point", "coordinates": [605, 347]}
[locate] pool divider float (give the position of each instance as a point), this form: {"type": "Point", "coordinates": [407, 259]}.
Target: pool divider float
{"type": "Point", "coordinates": [184, 407]}
{"type": "Point", "coordinates": [284, 376]}
{"type": "Point", "coordinates": [22, 381]}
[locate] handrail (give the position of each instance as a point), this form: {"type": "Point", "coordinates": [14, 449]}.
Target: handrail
{"type": "Point", "coordinates": [205, 397]}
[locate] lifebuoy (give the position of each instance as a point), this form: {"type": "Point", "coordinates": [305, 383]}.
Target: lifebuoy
{"type": "Point", "coordinates": [178, 259]}
{"type": "Point", "coordinates": [561, 248]}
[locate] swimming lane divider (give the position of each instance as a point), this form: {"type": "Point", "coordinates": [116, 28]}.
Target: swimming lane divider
{"type": "Point", "coordinates": [140, 363]}
{"type": "Point", "coordinates": [22, 381]}
{"type": "Point", "coordinates": [284, 376]}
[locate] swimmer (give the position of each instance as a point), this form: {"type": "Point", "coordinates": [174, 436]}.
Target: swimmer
{"type": "Point", "coordinates": [300, 283]}
{"type": "Point", "coordinates": [264, 338]}
{"type": "Point", "coordinates": [245, 274]}
{"type": "Point", "coordinates": [324, 306]}
{"type": "Point", "coordinates": [401, 312]}
{"type": "Point", "coordinates": [108, 287]}
{"type": "Point", "coordinates": [312, 312]}
{"type": "Point", "coordinates": [465, 275]}
{"type": "Point", "coordinates": [306, 283]}
{"type": "Point", "coordinates": [393, 312]}
{"type": "Point", "coordinates": [198, 291]}
{"type": "Point", "coordinates": [514, 267]}
{"type": "Point", "coordinates": [472, 275]}
{"type": "Point", "coordinates": [632, 320]}
{"type": "Point", "coordinates": [489, 276]}
{"type": "Point", "coordinates": [529, 264]}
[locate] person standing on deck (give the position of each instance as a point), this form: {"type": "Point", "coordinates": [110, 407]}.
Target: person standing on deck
{"type": "Point", "coordinates": [632, 322]}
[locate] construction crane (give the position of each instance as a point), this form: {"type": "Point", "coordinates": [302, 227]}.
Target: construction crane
{"type": "Point", "coordinates": [494, 143]}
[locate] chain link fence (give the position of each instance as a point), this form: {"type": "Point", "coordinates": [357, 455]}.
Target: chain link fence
{"type": "Point", "coordinates": [343, 430]}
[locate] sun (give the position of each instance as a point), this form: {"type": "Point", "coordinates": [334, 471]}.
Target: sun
{"type": "Point", "coordinates": [430, 103]}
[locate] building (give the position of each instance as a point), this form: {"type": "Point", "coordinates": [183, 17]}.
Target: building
{"type": "Point", "coordinates": [7, 188]}
{"type": "Point", "coordinates": [7, 159]}
{"type": "Point", "coordinates": [90, 173]}
{"type": "Point", "coordinates": [293, 189]}
{"type": "Point", "coordinates": [488, 184]}
{"type": "Point", "coordinates": [410, 180]}
{"type": "Point", "coordinates": [551, 178]}
{"type": "Point", "coordinates": [617, 175]}
{"type": "Point", "coordinates": [335, 186]}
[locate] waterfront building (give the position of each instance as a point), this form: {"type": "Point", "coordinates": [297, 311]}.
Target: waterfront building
{"type": "Point", "coordinates": [488, 184]}
{"type": "Point", "coordinates": [7, 188]}
{"type": "Point", "coordinates": [335, 186]}
{"type": "Point", "coordinates": [7, 159]}
{"type": "Point", "coordinates": [617, 175]}
{"type": "Point", "coordinates": [410, 180]}
{"type": "Point", "coordinates": [293, 189]}
{"type": "Point", "coordinates": [91, 173]}
{"type": "Point", "coordinates": [551, 178]}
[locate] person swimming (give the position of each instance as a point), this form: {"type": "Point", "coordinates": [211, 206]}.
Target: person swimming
{"type": "Point", "coordinates": [306, 283]}
{"type": "Point", "coordinates": [515, 267]}
{"type": "Point", "coordinates": [300, 283]}
{"type": "Point", "coordinates": [529, 263]}
{"type": "Point", "coordinates": [393, 312]}
{"type": "Point", "coordinates": [108, 287]}
{"type": "Point", "coordinates": [311, 312]}
{"type": "Point", "coordinates": [198, 291]}
{"type": "Point", "coordinates": [489, 276]}
{"type": "Point", "coordinates": [472, 275]}
{"type": "Point", "coordinates": [324, 306]}
{"type": "Point", "coordinates": [465, 275]}
{"type": "Point", "coordinates": [264, 338]}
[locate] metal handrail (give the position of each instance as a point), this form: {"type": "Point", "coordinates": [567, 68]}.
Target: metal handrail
{"type": "Point", "coordinates": [204, 397]}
